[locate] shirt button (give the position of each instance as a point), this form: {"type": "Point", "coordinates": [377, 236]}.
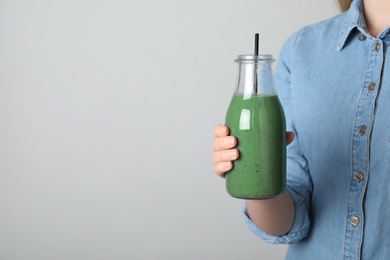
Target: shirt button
{"type": "Point", "coordinates": [354, 221]}
{"type": "Point", "coordinates": [362, 37]}
{"type": "Point", "coordinates": [377, 46]}
{"type": "Point", "coordinates": [359, 176]}
{"type": "Point", "coordinates": [362, 129]}
{"type": "Point", "coordinates": [372, 86]}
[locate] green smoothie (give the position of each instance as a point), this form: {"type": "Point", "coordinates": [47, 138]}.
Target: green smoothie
{"type": "Point", "coordinates": [258, 123]}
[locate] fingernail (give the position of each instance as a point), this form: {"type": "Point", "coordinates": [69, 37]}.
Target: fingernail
{"type": "Point", "coordinates": [225, 129]}
{"type": "Point", "coordinates": [233, 154]}
{"type": "Point", "coordinates": [228, 165]}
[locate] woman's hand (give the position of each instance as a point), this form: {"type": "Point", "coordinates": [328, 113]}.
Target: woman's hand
{"type": "Point", "coordinates": [224, 152]}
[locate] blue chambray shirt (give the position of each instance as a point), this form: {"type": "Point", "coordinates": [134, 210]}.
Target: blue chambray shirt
{"type": "Point", "coordinates": [333, 79]}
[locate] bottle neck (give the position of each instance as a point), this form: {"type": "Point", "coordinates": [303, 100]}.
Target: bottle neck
{"type": "Point", "coordinates": [255, 78]}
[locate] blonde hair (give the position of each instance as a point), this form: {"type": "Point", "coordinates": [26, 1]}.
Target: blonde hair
{"type": "Point", "coordinates": [344, 4]}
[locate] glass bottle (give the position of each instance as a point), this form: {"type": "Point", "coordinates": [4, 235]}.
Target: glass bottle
{"type": "Point", "coordinates": [256, 118]}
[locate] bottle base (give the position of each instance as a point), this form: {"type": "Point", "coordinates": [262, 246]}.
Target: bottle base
{"type": "Point", "coordinates": [257, 197]}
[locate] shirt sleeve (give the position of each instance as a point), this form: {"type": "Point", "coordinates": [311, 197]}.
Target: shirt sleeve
{"type": "Point", "coordinates": [299, 183]}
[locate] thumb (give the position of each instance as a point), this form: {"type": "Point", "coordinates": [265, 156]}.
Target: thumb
{"type": "Point", "coordinates": [289, 137]}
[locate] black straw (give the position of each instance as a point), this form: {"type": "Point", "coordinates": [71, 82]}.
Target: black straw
{"type": "Point", "coordinates": [255, 86]}
{"type": "Point", "coordinates": [256, 44]}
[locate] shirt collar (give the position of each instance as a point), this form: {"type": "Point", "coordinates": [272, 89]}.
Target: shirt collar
{"type": "Point", "coordinates": [354, 18]}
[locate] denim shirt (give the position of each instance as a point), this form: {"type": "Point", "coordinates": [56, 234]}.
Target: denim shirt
{"type": "Point", "coordinates": [333, 79]}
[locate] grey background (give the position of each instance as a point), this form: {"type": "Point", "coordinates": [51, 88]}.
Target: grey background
{"type": "Point", "coordinates": [107, 110]}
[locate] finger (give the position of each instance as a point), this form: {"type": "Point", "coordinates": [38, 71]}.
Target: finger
{"type": "Point", "coordinates": [225, 156]}
{"type": "Point", "coordinates": [222, 168]}
{"type": "Point", "coordinates": [224, 143]}
{"type": "Point", "coordinates": [221, 130]}
{"type": "Point", "coordinates": [289, 137]}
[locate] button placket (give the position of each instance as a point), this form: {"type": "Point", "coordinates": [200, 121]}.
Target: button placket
{"type": "Point", "coordinates": [361, 144]}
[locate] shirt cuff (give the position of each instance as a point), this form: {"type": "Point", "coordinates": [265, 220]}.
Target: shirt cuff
{"type": "Point", "coordinates": [300, 226]}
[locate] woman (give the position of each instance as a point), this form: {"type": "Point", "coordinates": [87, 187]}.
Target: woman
{"type": "Point", "coordinates": [333, 79]}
